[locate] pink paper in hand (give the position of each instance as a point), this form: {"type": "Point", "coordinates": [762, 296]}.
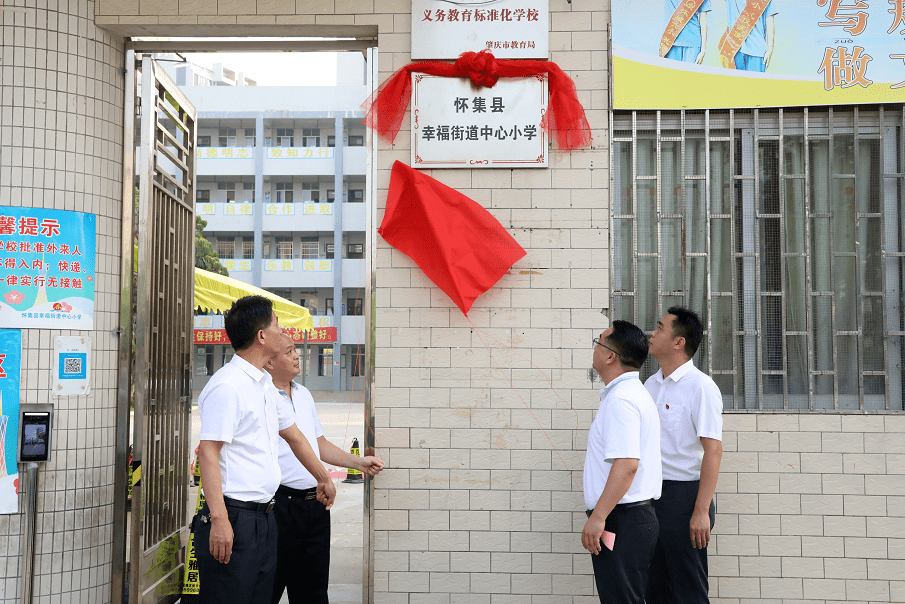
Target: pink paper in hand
{"type": "Point", "coordinates": [609, 539]}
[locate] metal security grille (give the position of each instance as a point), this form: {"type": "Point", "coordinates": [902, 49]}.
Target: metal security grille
{"type": "Point", "coordinates": [783, 228]}
{"type": "Point", "coordinates": [163, 337]}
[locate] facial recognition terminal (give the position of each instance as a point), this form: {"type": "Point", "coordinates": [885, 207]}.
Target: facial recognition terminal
{"type": "Point", "coordinates": [35, 433]}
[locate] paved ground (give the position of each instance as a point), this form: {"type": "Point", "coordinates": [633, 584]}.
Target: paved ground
{"type": "Point", "coordinates": [342, 421]}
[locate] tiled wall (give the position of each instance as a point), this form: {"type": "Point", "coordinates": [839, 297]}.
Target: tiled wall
{"type": "Point", "coordinates": [811, 507]}
{"type": "Point", "coordinates": [61, 147]}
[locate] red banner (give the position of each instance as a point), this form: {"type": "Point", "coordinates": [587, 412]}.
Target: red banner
{"type": "Point", "coordinates": [315, 336]}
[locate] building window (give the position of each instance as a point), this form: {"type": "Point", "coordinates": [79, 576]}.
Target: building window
{"type": "Point", "coordinates": [248, 248]}
{"type": "Point", "coordinates": [204, 141]}
{"type": "Point", "coordinates": [356, 140]}
{"type": "Point", "coordinates": [331, 140]}
{"type": "Point", "coordinates": [202, 195]}
{"type": "Point", "coordinates": [331, 195]}
{"type": "Point", "coordinates": [784, 225]}
{"type": "Point", "coordinates": [308, 250]}
{"type": "Point", "coordinates": [328, 306]}
{"type": "Point", "coordinates": [355, 251]}
{"type": "Point", "coordinates": [226, 248]}
{"type": "Point", "coordinates": [285, 137]}
{"type": "Point", "coordinates": [249, 137]}
{"type": "Point", "coordinates": [325, 361]}
{"type": "Point", "coordinates": [284, 248]}
{"type": "Point", "coordinates": [284, 192]}
{"type": "Point", "coordinates": [328, 251]}
{"type": "Point", "coordinates": [356, 196]}
{"type": "Point", "coordinates": [358, 361]}
{"type": "Point", "coordinates": [227, 191]}
{"type": "Point", "coordinates": [311, 137]}
{"type": "Point", "coordinates": [204, 360]}
{"type": "Point", "coordinates": [354, 307]}
{"type": "Point", "coordinates": [227, 137]}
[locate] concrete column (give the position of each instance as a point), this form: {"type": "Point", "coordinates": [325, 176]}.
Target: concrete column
{"type": "Point", "coordinates": [257, 265]}
{"type": "Point", "coordinates": [338, 252]}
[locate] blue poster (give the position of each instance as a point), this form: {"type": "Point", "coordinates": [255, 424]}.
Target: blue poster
{"type": "Point", "coordinates": [10, 364]}
{"type": "Point", "coordinates": [48, 259]}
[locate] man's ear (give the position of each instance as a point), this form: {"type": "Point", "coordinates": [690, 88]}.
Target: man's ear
{"type": "Point", "coordinates": [679, 343]}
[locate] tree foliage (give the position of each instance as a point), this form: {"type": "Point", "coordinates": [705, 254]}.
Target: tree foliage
{"type": "Point", "coordinates": [206, 256]}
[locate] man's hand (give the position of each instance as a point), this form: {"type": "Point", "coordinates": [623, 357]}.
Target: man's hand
{"type": "Point", "coordinates": [221, 541]}
{"type": "Point", "coordinates": [593, 533]}
{"type": "Point", "coordinates": [370, 465]}
{"type": "Point", "coordinates": [699, 528]}
{"type": "Point", "coordinates": [326, 493]}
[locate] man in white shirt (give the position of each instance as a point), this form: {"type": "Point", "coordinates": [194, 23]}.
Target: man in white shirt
{"type": "Point", "coordinates": [241, 422]}
{"type": "Point", "coordinates": [690, 407]}
{"type": "Point", "coordinates": [303, 560]}
{"type": "Point", "coordinates": [622, 469]}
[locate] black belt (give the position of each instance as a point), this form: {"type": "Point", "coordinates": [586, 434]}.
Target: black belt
{"type": "Point", "coordinates": [625, 506]}
{"type": "Point", "coordinates": [248, 505]}
{"type": "Point", "coordinates": [303, 493]}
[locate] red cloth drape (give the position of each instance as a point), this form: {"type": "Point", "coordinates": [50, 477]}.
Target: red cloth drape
{"type": "Point", "coordinates": [565, 119]}
{"type": "Point", "coordinates": [458, 244]}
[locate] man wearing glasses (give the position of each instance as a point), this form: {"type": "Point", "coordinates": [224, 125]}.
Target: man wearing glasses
{"type": "Point", "coordinates": [622, 469]}
{"type": "Point", "coordinates": [690, 407]}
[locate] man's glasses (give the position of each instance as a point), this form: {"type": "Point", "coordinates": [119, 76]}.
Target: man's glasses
{"type": "Point", "coordinates": [597, 342]}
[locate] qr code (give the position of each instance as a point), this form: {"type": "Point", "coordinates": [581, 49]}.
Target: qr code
{"type": "Point", "coordinates": [72, 365]}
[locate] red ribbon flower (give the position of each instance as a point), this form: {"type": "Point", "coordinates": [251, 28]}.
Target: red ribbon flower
{"type": "Point", "coordinates": [564, 120]}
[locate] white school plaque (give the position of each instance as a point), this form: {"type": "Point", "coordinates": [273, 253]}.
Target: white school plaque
{"type": "Point", "coordinates": [457, 125]}
{"type": "Point", "coordinates": [510, 29]}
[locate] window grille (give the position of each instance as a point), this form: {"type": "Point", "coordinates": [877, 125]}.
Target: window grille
{"type": "Point", "coordinates": [309, 250]}
{"type": "Point", "coordinates": [226, 248]}
{"type": "Point", "coordinates": [248, 248]}
{"type": "Point", "coordinates": [325, 361]}
{"type": "Point", "coordinates": [783, 229]}
{"type": "Point", "coordinates": [284, 249]}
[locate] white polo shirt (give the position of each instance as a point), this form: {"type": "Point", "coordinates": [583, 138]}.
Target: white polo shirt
{"type": "Point", "coordinates": [690, 407]}
{"type": "Point", "coordinates": [626, 426]}
{"type": "Point", "coordinates": [238, 408]}
{"type": "Point", "coordinates": [294, 473]}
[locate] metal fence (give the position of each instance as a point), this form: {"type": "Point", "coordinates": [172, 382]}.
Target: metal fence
{"type": "Point", "coordinates": [783, 228]}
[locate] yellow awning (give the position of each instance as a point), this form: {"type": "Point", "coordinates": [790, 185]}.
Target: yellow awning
{"type": "Point", "coordinates": [216, 292]}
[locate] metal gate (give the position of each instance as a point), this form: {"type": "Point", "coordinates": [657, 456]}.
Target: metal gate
{"type": "Point", "coordinates": [164, 240]}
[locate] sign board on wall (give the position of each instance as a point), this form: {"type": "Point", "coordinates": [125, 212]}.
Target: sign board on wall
{"type": "Point", "coordinates": [510, 29]}
{"type": "Point", "coordinates": [10, 365]}
{"type": "Point", "coordinates": [71, 366]}
{"type": "Point", "coordinates": [455, 125]}
{"type": "Point", "coordinates": [218, 336]}
{"type": "Point", "coordinates": [47, 257]}
{"type": "Point", "coordinates": [810, 53]}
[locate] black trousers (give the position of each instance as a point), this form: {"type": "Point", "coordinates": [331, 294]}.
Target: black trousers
{"type": "Point", "coordinates": [303, 561]}
{"type": "Point", "coordinates": [678, 572]}
{"type": "Point", "coordinates": [621, 574]}
{"type": "Point", "coordinates": [248, 577]}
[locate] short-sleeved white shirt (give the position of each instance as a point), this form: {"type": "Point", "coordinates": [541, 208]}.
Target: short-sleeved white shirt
{"type": "Point", "coordinates": [626, 427]}
{"type": "Point", "coordinates": [294, 473]}
{"type": "Point", "coordinates": [238, 408]}
{"type": "Point", "coordinates": [690, 407]}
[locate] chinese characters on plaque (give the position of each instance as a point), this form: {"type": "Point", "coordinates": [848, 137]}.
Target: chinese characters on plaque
{"type": "Point", "coordinates": [457, 126]}
{"type": "Point", "coordinates": [510, 29]}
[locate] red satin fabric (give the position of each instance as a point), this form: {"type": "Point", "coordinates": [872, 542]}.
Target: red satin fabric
{"type": "Point", "coordinates": [565, 119]}
{"type": "Point", "coordinates": [458, 244]}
